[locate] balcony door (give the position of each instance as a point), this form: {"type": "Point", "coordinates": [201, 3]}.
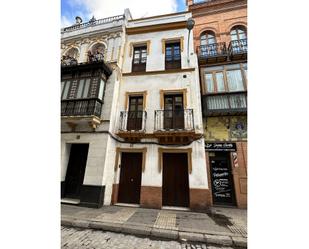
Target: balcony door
{"type": "Point", "coordinates": [135, 113]}
{"type": "Point", "coordinates": [173, 112]}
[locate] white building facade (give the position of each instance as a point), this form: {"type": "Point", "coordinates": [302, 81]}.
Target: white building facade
{"type": "Point", "coordinates": [159, 159]}
{"type": "Point", "coordinates": [90, 74]}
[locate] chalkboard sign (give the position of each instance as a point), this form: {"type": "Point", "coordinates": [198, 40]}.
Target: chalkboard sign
{"type": "Point", "coordinates": [222, 188]}
{"type": "Point", "coordinates": [220, 146]}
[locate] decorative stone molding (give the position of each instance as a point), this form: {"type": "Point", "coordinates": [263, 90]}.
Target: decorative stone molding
{"type": "Point", "coordinates": [132, 44]}
{"type": "Point", "coordinates": [163, 150]}
{"type": "Point", "coordinates": [120, 150]}
{"type": "Point", "coordinates": [175, 39]}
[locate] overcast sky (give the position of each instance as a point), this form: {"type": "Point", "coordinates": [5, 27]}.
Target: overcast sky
{"type": "Point", "coordinates": [105, 8]}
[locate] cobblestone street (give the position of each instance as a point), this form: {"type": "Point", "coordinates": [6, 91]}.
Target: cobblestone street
{"type": "Point", "coordinates": [73, 238]}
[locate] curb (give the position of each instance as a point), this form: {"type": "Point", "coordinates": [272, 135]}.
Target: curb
{"type": "Point", "coordinates": [212, 239]}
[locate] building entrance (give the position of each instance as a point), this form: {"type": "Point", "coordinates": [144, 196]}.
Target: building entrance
{"type": "Point", "coordinates": [76, 170]}
{"type": "Point", "coordinates": [222, 179]}
{"type": "Point", "coordinates": [175, 180]}
{"type": "Point", "coordinates": [130, 178]}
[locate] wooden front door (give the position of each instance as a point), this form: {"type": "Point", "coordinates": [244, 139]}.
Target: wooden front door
{"type": "Point", "coordinates": [76, 170]}
{"type": "Point", "coordinates": [130, 178]}
{"type": "Point", "coordinates": [173, 112]}
{"type": "Point", "coordinates": [135, 113]}
{"type": "Point", "coordinates": [175, 180]}
{"type": "Point", "coordinates": [222, 179]}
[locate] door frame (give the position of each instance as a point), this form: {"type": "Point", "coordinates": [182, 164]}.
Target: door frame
{"type": "Point", "coordinates": [117, 165]}
{"type": "Point", "coordinates": [164, 150]}
{"type": "Point", "coordinates": [182, 151]}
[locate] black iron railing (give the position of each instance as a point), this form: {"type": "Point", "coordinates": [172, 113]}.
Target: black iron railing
{"type": "Point", "coordinates": [133, 121]}
{"type": "Point", "coordinates": [224, 104]}
{"type": "Point", "coordinates": [171, 120]}
{"type": "Point", "coordinates": [81, 107]}
{"type": "Point", "coordinates": [93, 22]}
{"type": "Point", "coordinates": [238, 47]}
{"type": "Point", "coordinates": [212, 50]}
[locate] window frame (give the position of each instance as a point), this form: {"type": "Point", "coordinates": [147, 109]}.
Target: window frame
{"type": "Point", "coordinates": [172, 64]}
{"type": "Point", "coordinates": [206, 34]}
{"type": "Point", "coordinates": [237, 28]}
{"type": "Point", "coordinates": [223, 70]}
{"type": "Point", "coordinates": [139, 67]}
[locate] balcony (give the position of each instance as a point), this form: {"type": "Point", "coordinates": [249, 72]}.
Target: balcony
{"type": "Point", "coordinates": [225, 104]}
{"type": "Point", "coordinates": [238, 49]}
{"type": "Point", "coordinates": [212, 53]}
{"type": "Point", "coordinates": [78, 111]}
{"type": "Point", "coordinates": [174, 126]}
{"type": "Point", "coordinates": [92, 22]}
{"type": "Point", "coordinates": [81, 107]}
{"type": "Point", "coordinates": [132, 124]}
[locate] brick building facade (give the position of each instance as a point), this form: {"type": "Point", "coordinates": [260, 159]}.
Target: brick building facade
{"type": "Point", "coordinates": [220, 40]}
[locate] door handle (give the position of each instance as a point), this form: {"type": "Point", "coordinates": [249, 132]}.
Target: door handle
{"type": "Point", "coordinates": [131, 179]}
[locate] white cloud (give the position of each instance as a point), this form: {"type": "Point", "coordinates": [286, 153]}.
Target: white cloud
{"type": "Point", "coordinates": [138, 8]}
{"type": "Point", "coordinates": [65, 22]}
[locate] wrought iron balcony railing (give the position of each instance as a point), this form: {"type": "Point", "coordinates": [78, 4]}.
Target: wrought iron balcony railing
{"type": "Point", "coordinates": [225, 104]}
{"type": "Point", "coordinates": [93, 22]}
{"type": "Point", "coordinates": [174, 120]}
{"type": "Point", "coordinates": [81, 107]}
{"type": "Point", "coordinates": [212, 50]}
{"type": "Point", "coordinates": [238, 47]}
{"type": "Point", "coordinates": [133, 121]}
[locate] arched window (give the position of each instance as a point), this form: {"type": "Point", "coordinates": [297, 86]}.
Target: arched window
{"type": "Point", "coordinates": [208, 44]}
{"type": "Point", "coordinates": [208, 38]}
{"type": "Point", "coordinates": [238, 43]}
{"type": "Point", "coordinates": [70, 57]}
{"type": "Point", "coordinates": [96, 53]}
{"type": "Point", "coordinates": [238, 33]}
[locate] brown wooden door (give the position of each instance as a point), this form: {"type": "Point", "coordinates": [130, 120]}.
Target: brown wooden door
{"type": "Point", "coordinates": [130, 178]}
{"type": "Point", "coordinates": [173, 112]}
{"type": "Point", "coordinates": [135, 113]}
{"type": "Point", "coordinates": [76, 170]}
{"type": "Point", "coordinates": [175, 180]}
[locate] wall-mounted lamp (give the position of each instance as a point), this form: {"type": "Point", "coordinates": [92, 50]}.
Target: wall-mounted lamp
{"type": "Point", "coordinates": [190, 25]}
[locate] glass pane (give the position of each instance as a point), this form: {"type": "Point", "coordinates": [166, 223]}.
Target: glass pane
{"type": "Point", "coordinates": [217, 68]}
{"type": "Point", "coordinates": [203, 40]}
{"type": "Point", "coordinates": [86, 89]}
{"type": "Point", "coordinates": [220, 82]}
{"type": "Point", "coordinates": [232, 66]}
{"type": "Point", "coordinates": [217, 102]}
{"type": "Point", "coordinates": [211, 40]}
{"type": "Point", "coordinates": [143, 60]}
{"type": "Point", "coordinates": [66, 90]}
{"type": "Point", "coordinates": [101, 90]}
{"type": "Point", "coordinates": [242, 35]}
{"type": "Point", "coordinates": [136, 56]}
{"type": "Point", "coordinates": [209, 83]}
{"type": "Point", "coordinates": [234, 80]}
{"type": "Point", "coordinates": [62, 85]}
{"type": "Point", "coordinates": [168, 51]}
{"type": "Point", "coordinates": [80, 88]}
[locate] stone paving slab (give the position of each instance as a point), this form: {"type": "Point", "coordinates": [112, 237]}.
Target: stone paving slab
{"type": "Point", "coordinates": [212, 228]}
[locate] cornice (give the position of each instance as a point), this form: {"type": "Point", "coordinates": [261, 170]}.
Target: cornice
{"type": "Point", "coordinates": [217, 6]}
{"type": "Point", "coordinates": [113, 31]}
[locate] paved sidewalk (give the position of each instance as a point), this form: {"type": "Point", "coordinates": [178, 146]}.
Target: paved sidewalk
{"type": "Point", "coordinates": [220, 226]}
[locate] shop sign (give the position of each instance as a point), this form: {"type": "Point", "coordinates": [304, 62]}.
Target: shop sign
{"type": "Point", "coordinates": [220, 146]}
